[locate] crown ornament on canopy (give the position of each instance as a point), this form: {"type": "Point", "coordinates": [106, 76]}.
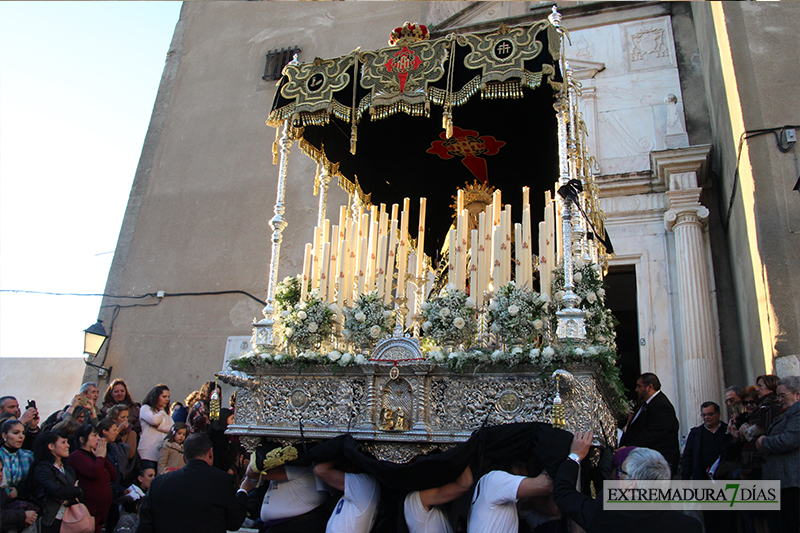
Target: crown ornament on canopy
{"type": "Point", "coordinates": [409, 32]}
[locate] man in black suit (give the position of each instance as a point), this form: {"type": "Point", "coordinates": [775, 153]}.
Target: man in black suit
{"type": "Point", "coordinates": [198, 497]}
{"type": "Point", "coordinates": [642, 464]}
{"type": "Point", "coordinates": [654, 425]}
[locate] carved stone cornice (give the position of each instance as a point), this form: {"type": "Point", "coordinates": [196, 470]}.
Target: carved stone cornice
{"type": "Point", "coordinates": [668, 164]}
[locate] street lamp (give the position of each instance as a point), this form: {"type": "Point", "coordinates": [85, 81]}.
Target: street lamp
{"type": "Point", "coordinates": [94, 337]}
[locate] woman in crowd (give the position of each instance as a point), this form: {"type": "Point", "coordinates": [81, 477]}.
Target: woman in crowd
{"type": "Point", "coordinates": [17, 462]}
{"type": "Point", "coordinates": [118, 394]}
{"type": "Point", "coordinates": [94, 471]}
{"type": "Point", "coordinates": [170, 455]}
{"type": "Point", "coordinates": [226, 452]}
{"type": "Point", "coordinates": [156, 422]}
{"type": "Point", "coordinates": [179, 412]}
{"type": "Point", "coordinates": [781, 448]}
{"type": "Point", "coordinates": [199, 410]}
{"type": "Point", "coordinates": [125, 443]}
{"type": "Point", "coordinates": [54, 485]}
{"type": "Point", "coordinates": [13, 518]}
{"type": "Point", "coordinates": [107, 429]}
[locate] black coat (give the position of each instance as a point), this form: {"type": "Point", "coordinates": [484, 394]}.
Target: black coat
{"type": "Point", "coordinates": [692, 466]}
{"type": "Point", "coordinates": [198, 497]}
{"type": "Point", "coordinates": [590, 515]}
{"type": "Point", "coordinates": [51, 488]}
{"type": "Point", "coordinates": [656, 428]}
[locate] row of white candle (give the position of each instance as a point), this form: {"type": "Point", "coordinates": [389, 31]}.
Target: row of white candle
{"type": "Point", "coordinates": [360, 254]}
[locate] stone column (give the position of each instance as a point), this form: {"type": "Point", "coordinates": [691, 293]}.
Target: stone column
{"type": "Point", "coordinates": [686, 217]}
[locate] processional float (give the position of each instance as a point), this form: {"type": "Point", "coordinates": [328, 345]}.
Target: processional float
{"type": "Point", "coordinates": [410, 337]}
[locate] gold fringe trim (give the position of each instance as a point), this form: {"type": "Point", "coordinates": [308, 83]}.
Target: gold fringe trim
{"type": "Point", "coordinates": [460, 97]}
{"type": "Point", "coordinates": [345, 184]}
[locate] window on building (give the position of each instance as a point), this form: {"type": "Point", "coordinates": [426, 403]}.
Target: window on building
{"type": "Point", "coordinates": [276, 60]}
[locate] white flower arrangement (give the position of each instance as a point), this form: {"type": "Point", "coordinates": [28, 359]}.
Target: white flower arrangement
{"type": "Point", "coordinates": [368, 321]}
{"type": "Point", "coordinates": [517, 313]}
{"type": "Point", "coordinates": [450, 317]}
{"type": "Point", "coordinates": [308, 323]}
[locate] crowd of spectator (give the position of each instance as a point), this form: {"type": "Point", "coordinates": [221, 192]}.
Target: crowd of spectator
{"type": "Point", "coordinates": [106, 457]}
{"type": "Point", "coordinates": [103, 456]}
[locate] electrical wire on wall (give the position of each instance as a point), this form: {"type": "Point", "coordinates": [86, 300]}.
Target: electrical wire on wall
{"type": "Point", "coordinates": [117, 307]}
{"type": "Point", "coordinates": [780, 135]}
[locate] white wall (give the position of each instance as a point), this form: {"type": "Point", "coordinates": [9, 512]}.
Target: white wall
{"type": "Point", "coordinates": [50, 381]}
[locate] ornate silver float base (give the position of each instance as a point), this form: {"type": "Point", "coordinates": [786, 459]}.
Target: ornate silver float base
{"type": "Point", "coordinates": [402, 409]}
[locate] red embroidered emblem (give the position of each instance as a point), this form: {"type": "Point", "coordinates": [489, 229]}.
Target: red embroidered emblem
{"type": "Point", "coordinates": [468, 145]}
{"type": "Point", "coordinates": [402, 63]}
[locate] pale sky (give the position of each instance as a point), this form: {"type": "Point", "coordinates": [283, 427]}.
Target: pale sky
{"type": "Point", "coordinates": [77, 86]}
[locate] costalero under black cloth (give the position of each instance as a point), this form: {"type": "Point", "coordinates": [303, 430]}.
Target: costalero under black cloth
{"type": "Point", "coordinates": [487, 449]}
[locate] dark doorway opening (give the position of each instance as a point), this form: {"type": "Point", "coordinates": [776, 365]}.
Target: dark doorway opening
{"type": "Point", "coordinates": [621, 300]}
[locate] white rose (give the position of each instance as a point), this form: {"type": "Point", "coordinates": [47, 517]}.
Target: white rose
{"type": "Point", "coordinates": [470, 302]}
{"type": "Point", "coordinates": [459, 322]}
{"type": "Point", "coordinates": [288, 332]}
{"type": "Point", "coordinates": [346, 334]}
{"type": "Point", "coordinates": [549, 351]}
{"type": "Point", "coordinates": [374, 331]}
{"type": "Point", "coordinates": [302, 315]}
{"type": "Point", "coordinates": [535, 353]}
{"type": "Point", "coordinates": [450, 287]}
{"type": "Point", "coordinates": [516, 351]}
{"type": "Point", "coordinates": [591, 297]}
{"type": "Point", "coordinates": [493, 305]}
{"type": "Point", "coordinates": [334, 308]}
{"type": "Point", "coordinates": [266, 357]}
{"type": "Point", "coordinates": [360, 359]}
{"type": "Point", "coordinates": [453, 355]}
{"type": "Point", "coordinates": [538, 324]}
{"type": "Point", "coordinates": [544, 297]}
{"type": "Point", "coordinates": [592, 350]}
{"type": "Point", "coordinates": [312, 327]}
{"type": "Point", "coordinates": [285, 313]}
{"type": "Point", "coordinates": [601, 292]}
{"type": "Point", "coordinates": [387, 313]}
{"type": "Point", "coordinates": [445, 312]}
{"type": "Point", "coordinates": [361, 317]}
{"type": "Point", "coordinates": [427, 325]}
{"type": "Point", "coordinates": [513, 310]}
{"type": "Point", "coordinates": [277, 357]}
{"type": "Point", "coordinates": [578, 351]}
{"type": "Point", "coordinates": [579, 263]}
{"type": "Point", "coordinates": [425, 306]}
{"type": "Point", "coordinates": [439, 356]}
{"type": "Point", "coordinates": [345, 360]}
{"type": "Point", "coordinates": [301, 305]}
{"type": "Point", "coordinates": [578, 277]}
{"type": "Point", "coordinates": [596, 268]}
{"type": "Point", "coordinates": [495, 327]}
{"type": "Point", "coordinates": [601, 339]}
{"type": "Point", "coordinates": [559, 295]}
{"type": "Point", "coordinates": [334, 356]}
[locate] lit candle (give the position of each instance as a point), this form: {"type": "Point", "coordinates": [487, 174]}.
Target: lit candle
{"type": "Point", "coordinates": [390, 257]}
{"type": "Point", "coordinates": [402, 252]}
{"type": "Point", "coordinates": [519, 269]}
{"type": "Point", "coordinates": [526, 197]}
{"type": "Point", "coordinates": [544, 270]}
{"type": "Point", "coordinates": [315, 253]}
{"type": "Point", "coordinates": [362, 265]}
{"type": "Point", "coordinates": [344, 259]}
{"type": "Point", "coordinates": [381, 278]}
{"type": "Point", "coordinates": [497, 265]}
{"type": "Point", "coordinates": [527, 247]}
{"type": "Point", "coordinates": [421, 238]}
{"type": "Point", "coordinates": [323, 276]}
{"type": "Point", "coordinates": [496, 207]}
{"type": "Point", "coordinates": [473, 265]}
{"type": "Point", "coordinates": [459, 201]}
{"type": "Point", "coordinates": [333, 266]}
{"type": "Point", "coordinates": [452, 241]}
{"type": "Point", "coordinates": [482, 260]}
{"type": "Point", "coordinates": [307, 259]}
